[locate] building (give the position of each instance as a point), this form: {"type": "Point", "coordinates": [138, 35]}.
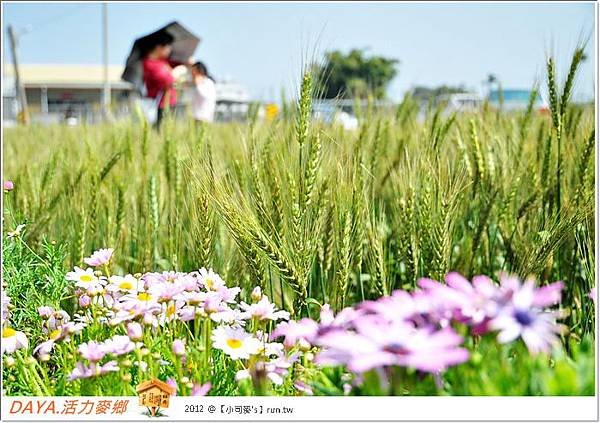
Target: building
{"type": "Point", "coordinates": [59, 93]}
{"type": "Point", "coordinates": [516, 99]}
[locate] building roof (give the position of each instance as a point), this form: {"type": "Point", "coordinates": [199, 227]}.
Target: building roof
{"type": "Point", "coordinates": [71, 76]}
{"type": "Point", "coordinates": [155, 382]}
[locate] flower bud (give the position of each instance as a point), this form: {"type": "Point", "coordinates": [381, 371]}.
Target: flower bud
{"type": "Point", "coordinates": [178, 347]}
{"type": "Point", "coordinates": [190, 385]}
{"type": "Point", "coordinates": [144, 351]}
{"type": "Point", "coordinates": [126, 377]}
{"type": "Point", "coordinates": [185, 380]}
{"type": "Point", "coordinates": [304, 345]}
{"type": "Point", "coordinates": [45, 357]}
{"type": "Point", "coordinates": [84, 301]}
{"type": "Point", "coordinates": [256, 294]}
{"type": "Point", "coordinates": [156, 355]}
{"type": "Point", "coordinates": [134, 331]}
{"type": "Point", "coordinates": [126, 363]}
{"type": "Point", "coordinates": [9, 361]}
{"type": "Point", "coordinates": [45, 312]}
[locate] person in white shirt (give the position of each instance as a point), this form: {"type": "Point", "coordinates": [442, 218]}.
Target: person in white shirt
{"type": "Point", "coordinates": [204, 94]}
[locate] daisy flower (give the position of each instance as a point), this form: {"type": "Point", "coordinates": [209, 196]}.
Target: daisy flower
{"type": "Point", "coordinates": [165, 291]}
{"type": "Point", "coordinates": [92, 351]}
{"type": "Point", "coordinates": [45, 347]}
{"type": "Point", "coordinates": [83, 371]}
{"type": "Point", "coordinates": [229, 316]}
{"type": "Point", "coordinates": [118, 345]}
{"type": "Point", "coordinates": [127, 284]}
{"type": "Point", "coordinates": [263, 310]}
{"type": "Point", "coordinates": [100, 257]}
{"type": "Point", "coordinates": [17, 232]}
{"type": "Point", "coordinates": [200, 390]}
{"type": "Point", "coordinates": [13, 340]}
{"type": "Point", "coordinates": [173, 384]}
{"type": "Point", "coordinates": [192, 298]}
{"type": "Point", "coordinates": [303, 330]}
{"type": "Point", "coordinates": [135, 331]}
{"type": "Point", "coordinates": [141, 301]}
{"type": "Point", "coordinates": [522, 319]}
{"type": "Point", "coordinates": [235, 342]}
{"type": "Point", "coordinates": [210, 280]}
{"type": "Point", "coordinates": [83, 278]}
{"type": "Point", "coordinates": [56, 320]}
{"type": "Point", "coordinates": [228, 295]}
{"type": "Point", "coordinates": [170, 311]}
{"type": "Point", "coordinates": [522, 316]}
{"type": "Point", "coordinates": [5, 304]}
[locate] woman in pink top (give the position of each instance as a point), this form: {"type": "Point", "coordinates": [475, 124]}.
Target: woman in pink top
{"type": "Point", "coordinates": [158, 73]}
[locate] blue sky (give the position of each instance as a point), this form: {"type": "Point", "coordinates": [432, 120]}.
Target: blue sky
{"type": "Point", "coordinates": [264, 45]}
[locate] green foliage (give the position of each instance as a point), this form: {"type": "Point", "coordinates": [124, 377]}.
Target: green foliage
{"type": "Point", "coordinates": [355, 75]}
{"type": "Point", "coordinates": [511, 370]}
{"type": "Point", "coordinates": [33, 279]}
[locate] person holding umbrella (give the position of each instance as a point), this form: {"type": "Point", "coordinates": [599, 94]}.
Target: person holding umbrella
{"type": "Point", "coordinates": [158, 73]}
{"type": "Point", "coordinates": [151, 63]}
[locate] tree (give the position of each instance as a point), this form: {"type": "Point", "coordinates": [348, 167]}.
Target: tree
{"type": "Point", "coordinates": [355, 75]}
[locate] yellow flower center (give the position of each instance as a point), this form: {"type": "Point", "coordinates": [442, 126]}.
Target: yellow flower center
{"type": "Point", "coordinates": [171, 310]}
{"type": "Point", "coordinates": [8, 332]}
{"type": "Point", "coordinates": [234, 343]}
{"type": "Point", "coordinates": [144, 296]}
{"type": "Point", "coordinates": [55, 333]}
{"type": "Point", "coordinates": [126, 285]}
{"type": "Point", "coordinates": [86, 278]}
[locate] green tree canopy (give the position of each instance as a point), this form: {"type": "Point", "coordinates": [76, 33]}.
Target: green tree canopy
{"type": "Point", "coordinates": [355, 75]}
{"type": "Point", "coordinates": [425, 94]}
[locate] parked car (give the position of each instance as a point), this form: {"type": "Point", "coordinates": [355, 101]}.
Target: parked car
{"type": "Point", "coordinates": [334, 115]}
{"type": "Point", "coordinates": [460, 102]}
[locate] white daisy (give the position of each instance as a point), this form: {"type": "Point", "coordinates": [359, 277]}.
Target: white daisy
{"type": "Point", "coordinates": [12, 340]}
{"type": "Point", "coordinates": [83, 278]}
{"type": "Point", "coordinates": [235, 342]}
{"type": "Point", "coordinates": [263, 310]}
{"type": "Point", "coordinates": [128, 284]}
{"type": "Point", "coordinates": [210, 280]}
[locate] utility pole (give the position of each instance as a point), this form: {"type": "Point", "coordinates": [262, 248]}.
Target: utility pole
{"type": "Point", "coordinates": [106, 87]}
{"type": "Point", "coordinates": [24, 112]}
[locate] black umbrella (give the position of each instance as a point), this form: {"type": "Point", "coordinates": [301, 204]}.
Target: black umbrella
{"type": "Point", "coordinates": [184, 45]}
